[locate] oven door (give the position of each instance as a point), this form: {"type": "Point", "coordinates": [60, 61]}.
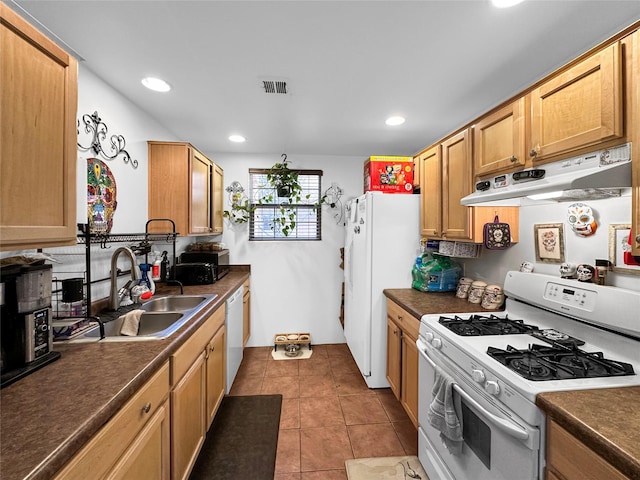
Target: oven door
{"type": "Point", "coordinates": [497, 444]}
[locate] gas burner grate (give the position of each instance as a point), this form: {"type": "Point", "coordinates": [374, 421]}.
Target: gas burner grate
{"type": "Point", "coordinates": [558, 362]}
{"type": "Point", "coordinates": [479, 325]}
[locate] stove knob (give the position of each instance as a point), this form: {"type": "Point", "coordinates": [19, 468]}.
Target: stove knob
{"type": "Point", "coordinates": [492, 387]}
{"type": "Point", "coordinates": [437, 343]}
{"type": "Point", "coordinates": [478, 376]}
{"type": "Point", "coordinates": [428, 336]}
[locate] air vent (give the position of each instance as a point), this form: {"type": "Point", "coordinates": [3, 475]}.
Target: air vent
{"type": "Point", "coordinates": [274, 86]}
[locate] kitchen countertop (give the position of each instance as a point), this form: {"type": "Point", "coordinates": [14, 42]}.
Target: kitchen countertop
{"type": "Point", "coordinates": [424, 303]}
{"type": "Point", "coordinates": [605, 420]}
{"type": "Point", "coordinates": [49, 415]}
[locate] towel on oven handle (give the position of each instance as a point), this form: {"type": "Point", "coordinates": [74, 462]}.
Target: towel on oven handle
{"type": "Point", "coordinates": [442, 412]}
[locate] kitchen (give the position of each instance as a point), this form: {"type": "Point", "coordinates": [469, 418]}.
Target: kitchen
{"type": "Point", "coordinates": [306, 313]}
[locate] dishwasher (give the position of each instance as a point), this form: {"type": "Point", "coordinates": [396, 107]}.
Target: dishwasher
{"type": "Point", "coordinates": [234, 324]}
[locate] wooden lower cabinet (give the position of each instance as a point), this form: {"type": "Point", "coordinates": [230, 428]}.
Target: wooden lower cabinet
{"type": "Point", "coordinates": [134, 443]}
{"type": "Point", "coordinates": [246, 304]}
{"type": "Point", "coordinates": [198, 380]}
{"type": "Point", "coordinates": [402, 357]}
{"type": "Point", "coordinates": [569, 459]}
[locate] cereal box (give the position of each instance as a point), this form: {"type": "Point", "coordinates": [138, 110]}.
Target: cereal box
{"type": "Point", "coordinates": [388, 174]}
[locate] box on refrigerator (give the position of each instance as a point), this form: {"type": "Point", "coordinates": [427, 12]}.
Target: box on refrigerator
{"type": "Point", "coordinates": [388, 174]}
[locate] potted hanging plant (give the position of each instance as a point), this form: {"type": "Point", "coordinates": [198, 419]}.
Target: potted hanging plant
{"type": "Point", "coordinates": [283, 179]}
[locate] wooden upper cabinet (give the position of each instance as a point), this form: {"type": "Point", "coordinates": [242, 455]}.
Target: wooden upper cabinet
{"type": "Point", "coordinates": [416, 172]}
{"type": "Point", "coordinates": [499, 140]}
{"type": "Point", "coordinates": [430, 162]}
{"type": "Point", "coordinates": [632, 44]}
{"type": "Point", "coordinates": [181, 188]}
{"type": "Point", "coordinates": [579, 107]}
{"type": "Point", "coordinates": [457, 175]}
{"type": "Point", "coordinates": [218, 207]}
{"type": "Point", "coordinates": [38, 152]}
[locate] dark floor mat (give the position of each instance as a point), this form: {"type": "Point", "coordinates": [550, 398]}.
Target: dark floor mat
{"type": "Point", "coordinates": [242, 440]}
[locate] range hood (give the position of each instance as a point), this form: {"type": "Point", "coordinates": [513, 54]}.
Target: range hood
{"type": "Point", "coordinates": [599, 174]}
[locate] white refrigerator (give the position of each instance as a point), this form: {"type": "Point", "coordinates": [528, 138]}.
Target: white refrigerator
{"type": "Point", "coordinates": [382, 240]}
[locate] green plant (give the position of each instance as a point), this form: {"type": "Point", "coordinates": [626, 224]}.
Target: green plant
{"type": "Point", "coordinates": [241, 211]}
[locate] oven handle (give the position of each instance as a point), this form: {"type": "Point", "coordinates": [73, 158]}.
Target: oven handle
{"type": "Point", "coordinates": [501, 423]}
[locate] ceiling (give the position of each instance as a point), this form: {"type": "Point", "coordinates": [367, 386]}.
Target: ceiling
{"type": "Point", "coordinates": [348, 64]}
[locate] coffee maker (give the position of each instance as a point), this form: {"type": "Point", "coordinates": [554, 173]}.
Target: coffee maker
{"type": "Point", "coordinates": [26, 334]}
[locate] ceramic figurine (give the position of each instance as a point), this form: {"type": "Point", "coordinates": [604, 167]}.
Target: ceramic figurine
{"type": "Point", "coordinates": [581, 219]}
{"type": "Point", "coordinates": [567, 270]}
{"type": "Point", "coordinates": [464, 285]}
{"type": "Point", "coordinates": [585, 272]}
{"type": "Point", "coordinates": [526, 267]}
{"type": "Point", "coordinates": [493, 297]}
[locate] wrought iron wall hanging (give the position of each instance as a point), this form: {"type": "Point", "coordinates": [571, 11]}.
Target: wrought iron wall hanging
{"type": "Point", "coordinates": [97, 129]}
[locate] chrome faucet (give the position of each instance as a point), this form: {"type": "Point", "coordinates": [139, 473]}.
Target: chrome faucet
{"type": "Point", "coordinates": [114, 298]}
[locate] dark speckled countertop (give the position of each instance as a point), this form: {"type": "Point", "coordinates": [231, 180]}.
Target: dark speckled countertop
{"type": "Point", "coordinates": [605, 420]}
{"type": "Point", "coordinates": [46, 417]}
{"type": "Point", "coordinates": [424, 303]}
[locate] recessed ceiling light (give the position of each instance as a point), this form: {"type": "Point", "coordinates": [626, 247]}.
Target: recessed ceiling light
{"type": "Point", "coordinates": [505, 3]}
{"type": "Point", "coordinates": [156, 84]}
{"type": "Point", "coordinates": [396, 120]}
{"type": "Point", "coordinates": [237, 138]}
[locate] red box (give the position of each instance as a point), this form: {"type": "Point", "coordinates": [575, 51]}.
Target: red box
{"type": "Point", "coordinates": [388, 174]}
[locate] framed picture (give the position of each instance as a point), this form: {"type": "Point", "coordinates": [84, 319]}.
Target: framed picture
{"type": "Point", "coordinates": [549, 241]}
{"type": "Point", "coordinates": [618, 245]}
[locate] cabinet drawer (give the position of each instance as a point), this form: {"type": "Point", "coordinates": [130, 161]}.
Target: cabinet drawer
{"type": "Point", "coordinates": [407, 322]}
{"type": "Point", "coordinates": [184, 357]}
{"type": "Point", "coordinates": [573, 460]}
{"type": "Point", "coordinates": [107, 446]}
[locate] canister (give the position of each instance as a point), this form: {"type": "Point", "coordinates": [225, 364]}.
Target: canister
{"type": "Point", "coordinates": [476, 291]}
{"type": "Point", "coordinates": [493, 297]}
{"type": "Point", "coordinates": [464, 285]}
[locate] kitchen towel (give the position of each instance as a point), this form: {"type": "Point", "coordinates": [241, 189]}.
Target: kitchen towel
{"type": "Point", "coordinates": [131, 323]}
{"type": "Point", "coordinates": [442, 412]}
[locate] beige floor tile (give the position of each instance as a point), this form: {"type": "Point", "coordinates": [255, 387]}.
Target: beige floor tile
{"type": "Point", "coordinates": [320, 412]}
{"type": "Point", "coordinates": [324, 448]}
{"type": "Point", "coordinates": [288, 453]}
{"type": "Point", "coordinates": [376, 440]}
{"type": "Point", "coordinates": [362, 409]}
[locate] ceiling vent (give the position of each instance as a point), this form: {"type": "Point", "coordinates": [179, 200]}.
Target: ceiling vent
{"type": "Point", "coordinates": [275, 86]}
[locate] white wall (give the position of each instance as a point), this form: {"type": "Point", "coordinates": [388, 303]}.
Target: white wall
{"type": "Point", "coordinates": [492, 265]}
{"type": "Point", "coordinates": [295, 285]}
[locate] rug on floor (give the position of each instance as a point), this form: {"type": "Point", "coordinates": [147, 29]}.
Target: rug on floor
{"type": "Point", "coordinates": [305, 352]}
{"type": "Point", "coordinates": [242, 440]}
{"type": "Point", "coordinates": [385, 468]}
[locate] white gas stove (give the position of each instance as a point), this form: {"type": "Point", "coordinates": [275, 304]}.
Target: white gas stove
{"type": "Point", "coordinates": [555, 334]}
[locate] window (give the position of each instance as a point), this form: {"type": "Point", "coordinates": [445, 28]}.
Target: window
{"type": "Point", "coordinates": [276, 217]}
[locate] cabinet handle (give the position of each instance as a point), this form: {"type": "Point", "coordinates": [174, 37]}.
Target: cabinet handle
{"type": "Point", "coordinates": [533, 152]}
{"type": "Point", "coordinates": [147, 408]}
{"type": "Point", "coordinates": [212, 348]}
{"type": "Point", "coordinates": [513, 159]}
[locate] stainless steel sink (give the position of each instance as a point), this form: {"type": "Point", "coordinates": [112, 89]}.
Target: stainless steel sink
{"type": "Point", "coordinates": [162, 316]}
{"type": "Point", "coordinates": [173, 303]}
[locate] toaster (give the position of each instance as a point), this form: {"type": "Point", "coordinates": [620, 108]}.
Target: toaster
{"type": "Point", "coordinates": [196, 273]}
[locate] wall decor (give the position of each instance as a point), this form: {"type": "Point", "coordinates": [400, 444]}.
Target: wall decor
{"type": "Point", "coordinates": [549, 242]}
{"type": "Point", "coordinates": [618, 246]}
{"type": "Point", "coordinates": [581, 219]}
{"type": "Point", "coordinates": [97, 131]}
{"type": "Point", "coordinates": [101, 196]}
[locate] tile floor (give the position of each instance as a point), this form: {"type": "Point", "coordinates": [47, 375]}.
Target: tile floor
{"type": "Point", "coordinates": [328, 413]}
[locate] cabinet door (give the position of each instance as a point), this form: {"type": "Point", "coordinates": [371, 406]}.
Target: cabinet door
{"type": "Point", "coordinates": [246, 317]}
{"type": "Point", "coordinates": [216, 381]}
{"type": "Point", "coordinates": [218, 207]}
{"type": "Point", "coordinates": [38, 140]}
{"type": "Point", "coordinates": [148, 457]}
{"type": "Point", "coordinates": [632, 43]}
{"type": "Point", "coordinates": [580, 107]}
{"type": "Point", "coordinates": [200, 200]}
{"type": "Point", "coordinates": [416, 172]}
{"type": "Point", "coordinates": [431, 192]}
{"type": "Point", "coordinates": [409, 397]}
{"type": "Point", "coordinates": [499, 140]}
{"type": "Point", "coordinates": [188, 420]}
{"type": "Point", "coordinates": [393, 357]}
{"type": "Point", "coordinates": [456, 183]}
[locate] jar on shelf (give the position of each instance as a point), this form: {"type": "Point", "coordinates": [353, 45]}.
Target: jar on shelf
{"type": "Point", "coordinates": [464, 285]}
{"type": "Point", "coordinates": [493, 297]}
{"type": "Point", "coordinates": [476, 291]}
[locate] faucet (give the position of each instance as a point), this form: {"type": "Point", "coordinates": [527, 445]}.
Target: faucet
{"type": "Point", "coordinates": [114, 298]}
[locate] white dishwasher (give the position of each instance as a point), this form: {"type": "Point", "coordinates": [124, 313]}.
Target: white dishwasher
{"type": "Point", "coordinates": [234, 324]}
